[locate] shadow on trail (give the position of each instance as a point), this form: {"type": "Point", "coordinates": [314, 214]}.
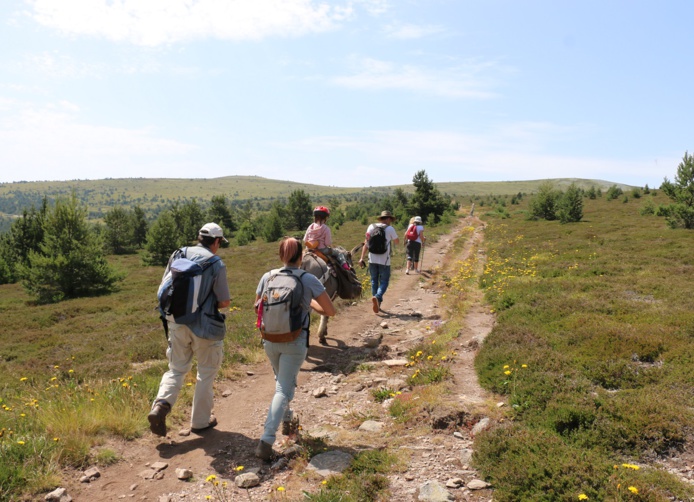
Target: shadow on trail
{"type": "Point", "coordinates": [226, 449]}
{"type": "Point", "coordinates": [339, 358]}
{"type": "Point", "coordinates": [326, 357]}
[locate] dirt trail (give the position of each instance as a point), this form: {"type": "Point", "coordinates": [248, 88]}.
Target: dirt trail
{"type": "Point", "coordinates": [410, 312]}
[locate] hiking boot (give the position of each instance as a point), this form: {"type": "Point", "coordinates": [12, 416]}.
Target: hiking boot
{"type": "Point", "coordinates": [407, 271]}
{"type": "Point", "coordinates": [157, 418]}
{"type": "Point", "coordinates": [212, 423]}
{"type": "Point", "coordinates": [375, 304]}
{"type": "Point", "coordinates": [264, 451]}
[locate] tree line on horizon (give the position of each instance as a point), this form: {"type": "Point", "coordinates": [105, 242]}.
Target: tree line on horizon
{"type": "Point", "coordinates": [57, 253]}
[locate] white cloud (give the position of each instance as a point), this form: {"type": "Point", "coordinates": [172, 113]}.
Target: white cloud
{"type": "Point", "coordinates": [49, 142]}
{"type": "Point", "coordinates": [375, 7]}
{"type": "Point", "coordinates": [464, 81]}
{"type": "Point", "coordinates": [405, 31]}
{"type": "Point", "coordinates": [56, 65]}
{"type": "Point", "coordinates": [157, 22]}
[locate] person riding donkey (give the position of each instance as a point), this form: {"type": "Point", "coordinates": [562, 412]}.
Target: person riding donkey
{"type": "Point", "coordinates": [318, 238]}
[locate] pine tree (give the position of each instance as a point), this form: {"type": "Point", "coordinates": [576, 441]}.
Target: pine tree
{"type": "Point", "coordinates": [427, 201]}
{"type": "Point", "coordinates": [70, 262]}
{"type": "Point", "coordinates": [120, 233]}
{"type": "Point", "coordinates": [140, 227]}
{"type": "Point", "coordinates": [163, 238]}
{"type": "Point", "coordinates": [681, 192]}
{"type": "Point", "coordinates": [543, 205]}
{"type": "Point", "coordinates": [220, 213]}
{"type": "Point", "coordinates": [570, 205]}
{"type": "Point", "coordinates": [25, 235]}
{"type": "Point", "coordinates": [299, 210]}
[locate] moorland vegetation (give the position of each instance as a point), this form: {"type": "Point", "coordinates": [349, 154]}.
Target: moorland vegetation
{"type": "Point", "coordinates": [592, 349]}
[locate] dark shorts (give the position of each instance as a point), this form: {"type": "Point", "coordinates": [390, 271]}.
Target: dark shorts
{"type": "Point", "coordinates": [412, 249]}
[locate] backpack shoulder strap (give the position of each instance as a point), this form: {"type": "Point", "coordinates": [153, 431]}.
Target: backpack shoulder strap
{"type": "Point", "coordinates": [210, 261]}
{"type": "Point", "coordinates": [298, 279]}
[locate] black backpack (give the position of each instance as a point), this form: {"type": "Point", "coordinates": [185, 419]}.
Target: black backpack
{"type": "Point", "coordinates": [378, 244]}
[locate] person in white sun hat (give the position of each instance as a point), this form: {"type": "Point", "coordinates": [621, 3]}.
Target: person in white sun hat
{"type": "Point", "coordinates": [202, 340]}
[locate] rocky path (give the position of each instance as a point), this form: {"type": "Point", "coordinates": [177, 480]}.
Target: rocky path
{"type": "Point", "coordinates": [336, 407]}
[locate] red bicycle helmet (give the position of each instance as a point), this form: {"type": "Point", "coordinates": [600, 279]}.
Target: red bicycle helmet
{"type": "Point", "coordinates": [321, 210]}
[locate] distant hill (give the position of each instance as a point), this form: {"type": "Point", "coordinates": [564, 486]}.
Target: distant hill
{"type": "Point", "coordinates": [154, 194]}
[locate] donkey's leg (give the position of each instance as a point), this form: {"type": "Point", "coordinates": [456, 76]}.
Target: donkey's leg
{"type": "Point", "coordinates": [323, 330]}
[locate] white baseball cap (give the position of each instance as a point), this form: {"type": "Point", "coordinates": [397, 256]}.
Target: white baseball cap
{"type": "Point", "coordinates": [212, 230]}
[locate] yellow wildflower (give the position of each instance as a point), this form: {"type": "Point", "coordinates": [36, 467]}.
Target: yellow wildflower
{"type": "Point", "coordinates": [239, 468]}
{"type": "Point", "coordinates": [23, 379]}
{"type": "Point", "coordinates": [210, 478]}
{"type": "Point", "coordinates": [507, 372]}
{"type": "Point", "coordinates": [633, 490]}
{"type": "Point", "coordinates": [280, 489]}
{"type": "Point", "coordinates": [583, 496]}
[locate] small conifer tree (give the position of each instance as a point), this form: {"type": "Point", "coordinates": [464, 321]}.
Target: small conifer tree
{"type": "Point", "coordinates": [70, 262]}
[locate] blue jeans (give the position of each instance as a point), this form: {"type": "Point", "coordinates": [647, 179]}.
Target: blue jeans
{"type": "Point", "coordinates": [286, 360]}
{"type": "Point", "coordinates": [380, 277]}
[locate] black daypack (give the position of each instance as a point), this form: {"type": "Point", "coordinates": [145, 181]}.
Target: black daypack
{"type": "Point", "coordinates": [280, 313]}
{"type": "Point", "coordinates": [378, 244]}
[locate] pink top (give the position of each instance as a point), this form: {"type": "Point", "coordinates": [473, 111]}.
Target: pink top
{"type": "Point", "coordinates": [319, 233]}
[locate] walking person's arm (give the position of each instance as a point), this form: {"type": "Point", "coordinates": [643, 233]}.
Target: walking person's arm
{"type": "Point", "coordinates": [323, 305]}
{"type": "Point", "coordinates": [363, 251]}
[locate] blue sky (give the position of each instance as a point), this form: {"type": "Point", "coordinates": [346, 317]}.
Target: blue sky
{"type": "Point", "coordinates": [345, 93]}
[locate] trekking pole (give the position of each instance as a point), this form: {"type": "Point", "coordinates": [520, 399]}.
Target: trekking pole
{"type": "Point", "coordinates": [421, 259]}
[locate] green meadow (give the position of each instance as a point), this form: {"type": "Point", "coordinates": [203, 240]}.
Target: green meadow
{"type": "Point", "coordinates": [592, 350]}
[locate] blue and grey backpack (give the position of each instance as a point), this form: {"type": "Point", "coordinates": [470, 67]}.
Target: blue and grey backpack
{"type": "Point", "coordinates": [180, 294]}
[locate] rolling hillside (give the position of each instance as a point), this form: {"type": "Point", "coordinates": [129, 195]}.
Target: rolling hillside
{"type": "Point", "coordinates": [155, 194]}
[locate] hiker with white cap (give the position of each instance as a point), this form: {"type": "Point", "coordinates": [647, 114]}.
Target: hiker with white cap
{"type": "Point", "coordinates": [414, 240]}
{"type": "Point", "coordinates": [202, 337]}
